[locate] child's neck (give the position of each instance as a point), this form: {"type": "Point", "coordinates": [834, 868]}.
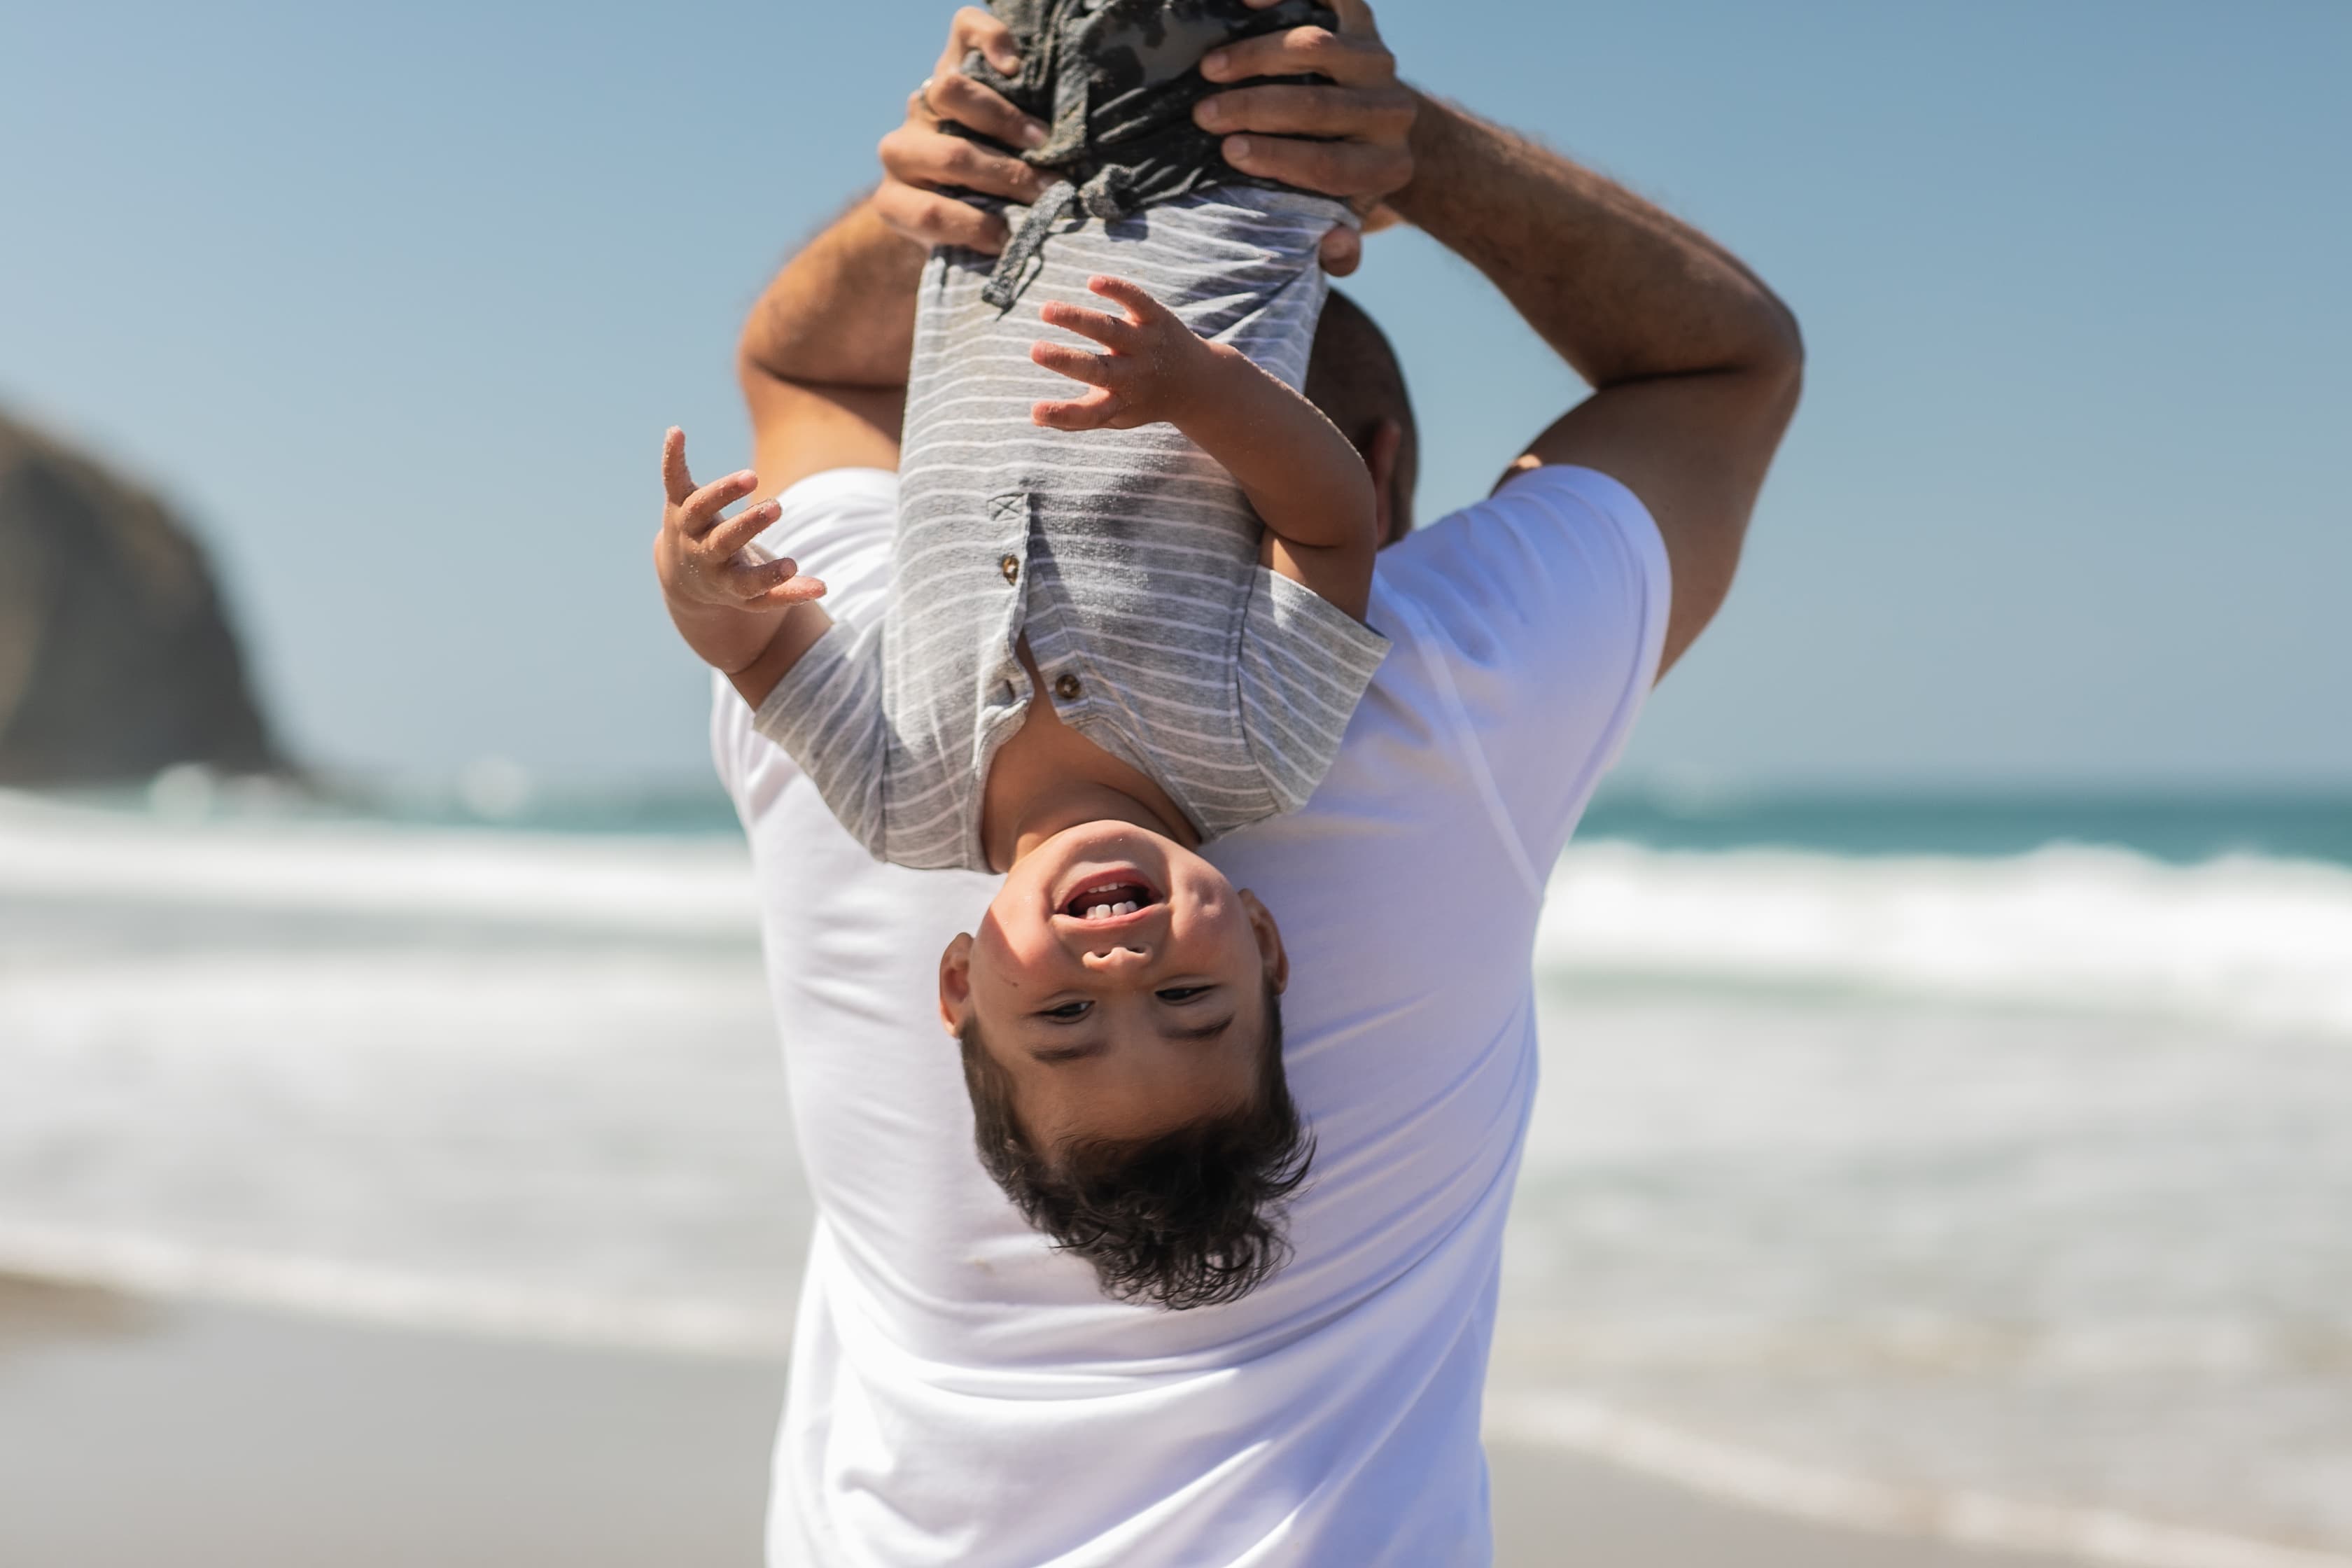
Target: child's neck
{"type": "Point", "coordinates": [1048, 779]}
{"type": "Point", "coordinates": [1079, 802]}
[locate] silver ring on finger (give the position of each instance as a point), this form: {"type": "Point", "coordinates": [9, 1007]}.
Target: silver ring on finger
{"type": "Point", "coordinates": [923, 96]}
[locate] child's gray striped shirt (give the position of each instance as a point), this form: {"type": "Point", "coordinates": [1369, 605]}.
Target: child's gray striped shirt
{"type": "Point", "coordinates": [1129, 559]}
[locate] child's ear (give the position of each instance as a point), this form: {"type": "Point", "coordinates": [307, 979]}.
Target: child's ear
{"type": "Point", "coordinates": [955, 984]}
{"type": "Point", "coordinates": [1270, 950]}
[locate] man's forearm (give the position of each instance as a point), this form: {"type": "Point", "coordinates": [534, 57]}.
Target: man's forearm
{"type": "Point", "coordinates": [842, 312]}
{"type": "Point", "coordinates": [1620, 290]}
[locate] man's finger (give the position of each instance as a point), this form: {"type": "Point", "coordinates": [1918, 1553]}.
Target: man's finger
{"type": "Point", "coordinates": [700, 511]}
{"type": "Point", "coordinates": [918, 155]}
{"type": "Point", "coordinates": [930, 219]}
{"type": "Point", "coordinates": [1303, 51]}
{"type": "Point", "coordinates": [1342, 251]}
{"type": "Point", "coordinates": [1297, 108]}
{"type": "Point", "coordinates": [984, 109]}
{"type": "Point", "coordinates": [677, 482]}
{"type": "Point", "coordinates": [974, 28]}
{"type": "Point", "coordinates": [1107, 330]}
{"type": "Point", "coordinates": [1344, 169]}
{"type": "Point", "coordinates": [1356, 18]}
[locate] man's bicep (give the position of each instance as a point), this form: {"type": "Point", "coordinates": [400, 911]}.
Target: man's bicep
{"type": "Point", "coordinates": [800, 431]}
{"type": "Point", "coordinates": [1696, 450]}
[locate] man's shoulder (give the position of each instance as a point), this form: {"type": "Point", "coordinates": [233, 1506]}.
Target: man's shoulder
{"type": "Point", "coordinates": [1556, 516]}
{"type": "Point", "coordinates": [1530, 630]}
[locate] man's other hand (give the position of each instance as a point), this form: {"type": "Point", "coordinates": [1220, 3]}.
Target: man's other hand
{"type": "Point", "coordinates": [1364, 115]}
{"type": "Point", "coordinates": [1359, 117]}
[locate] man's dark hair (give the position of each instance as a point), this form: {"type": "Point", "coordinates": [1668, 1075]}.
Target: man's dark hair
{"type": "Point", "coordinates": [1190, 1218]}
{"type": "Point", "coordinates": [1356, 379]}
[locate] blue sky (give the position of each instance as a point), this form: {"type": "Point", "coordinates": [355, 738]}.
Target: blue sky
{"type": "Point", "coordinates": [396, 300]}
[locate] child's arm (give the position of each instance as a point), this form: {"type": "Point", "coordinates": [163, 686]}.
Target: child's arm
{"type": "Point", "coordinates": [1307, 482]}
{"type": "Point", "coordinates": [747, 616]}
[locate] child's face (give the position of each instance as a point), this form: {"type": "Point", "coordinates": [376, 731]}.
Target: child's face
{"type": "Point", "coordinates": [1120, 981]}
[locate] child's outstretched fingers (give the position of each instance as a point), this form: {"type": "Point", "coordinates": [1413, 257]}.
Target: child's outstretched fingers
{"type": "Point", "coordinates": [1141, 308]}
{"type": "Point", "coordinates": [1076, 364]}
{"type": "Point", "coordinates": [1093, 412]}
{"type": "Point", "coordinates": [730, 537]}
{"type": "Point", "coordinates": [779, 584]}
{"type": "Point", "coordinates": [1120, 336]}
{"type": "Point", "coordinates": [677, 482]}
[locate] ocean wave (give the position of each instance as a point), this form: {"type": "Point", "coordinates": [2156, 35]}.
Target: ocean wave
{"type": "Point", "coordinates": [2247, 942]}
{"type": "Point", "coordinates": [2260, 943]}
{"type": "Point", "coordinates": [665, 887]}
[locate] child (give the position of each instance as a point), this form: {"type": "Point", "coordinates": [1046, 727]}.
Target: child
{"type": "Point", "coordinates": [1121, 623]}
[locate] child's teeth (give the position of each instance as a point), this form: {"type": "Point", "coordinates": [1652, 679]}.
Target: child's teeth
{"type": "Point", "coordinates": [1099, 911]}
{"type": "Point", "coordinates": [1126, 907]}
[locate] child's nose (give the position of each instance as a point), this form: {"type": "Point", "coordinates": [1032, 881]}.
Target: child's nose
{"type": "Point", "coordinates": [1121, 956]}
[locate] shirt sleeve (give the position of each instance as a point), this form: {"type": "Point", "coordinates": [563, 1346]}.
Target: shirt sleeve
{"type": "Point", "coordinates": [838, 526]}
{"type": "Point", "coordinates": [1305, 664]}
{"type": "Point", "coordinates": [827, 716]}
{"type": "Point", "coordinates": [1542, 615]}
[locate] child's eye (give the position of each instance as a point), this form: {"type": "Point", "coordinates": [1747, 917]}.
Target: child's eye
{"type": "Point", "coordinates": [1068, 1012]}
{"type": "Point", "coordinates": [1183, 993]}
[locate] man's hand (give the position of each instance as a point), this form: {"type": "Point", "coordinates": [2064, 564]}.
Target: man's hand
{"type": "Point", "coordinates": [1154, 369]}
{"type": "Point", "coordinates": [1350, 138]}
{"type": "Point", "coordinates": [919, 160]}
{"type": "Point", "coordinates": [1364, 118]}
{"type": "Point", "coordinates": [727, 599]}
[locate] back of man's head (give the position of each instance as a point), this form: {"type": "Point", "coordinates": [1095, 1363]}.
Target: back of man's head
{"type": "Point", "coordinates": [1189, 1218]}
{"type": "Point", "coordinates": [1356, 379]}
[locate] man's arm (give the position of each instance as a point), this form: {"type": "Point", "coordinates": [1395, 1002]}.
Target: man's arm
{"type": "Point", "coordinates": [1695, 366]}
{"type": "Point", "coordinates": [824, 355]}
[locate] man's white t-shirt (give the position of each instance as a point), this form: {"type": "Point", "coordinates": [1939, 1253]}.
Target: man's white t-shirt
{"type": "Point", "coordinates": [961, 1394]}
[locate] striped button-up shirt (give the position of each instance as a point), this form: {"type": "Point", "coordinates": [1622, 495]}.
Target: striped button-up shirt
{"type": "Point", "coordinates": [1128, 560]}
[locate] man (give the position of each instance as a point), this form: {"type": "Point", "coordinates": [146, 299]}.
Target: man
{"type": "Point", "coordinates": [960, 1393]}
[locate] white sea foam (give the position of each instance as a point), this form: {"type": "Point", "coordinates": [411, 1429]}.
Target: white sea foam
{"type": "Point", "coordinates": [663, 888]}
{"type": "Point", "coordinates": [2254, 942]}
{"type": "Point", "coordinates": [2250, 942]}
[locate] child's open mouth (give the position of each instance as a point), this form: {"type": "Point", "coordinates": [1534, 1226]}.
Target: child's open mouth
{"type": "Point", "coordinates": [1110, 898]}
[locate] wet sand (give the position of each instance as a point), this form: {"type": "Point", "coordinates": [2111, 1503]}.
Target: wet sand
{"type": "Point", "coordinates": [201, 1437]}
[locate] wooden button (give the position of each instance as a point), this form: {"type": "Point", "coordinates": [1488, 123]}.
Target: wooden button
{"type": "Point", "coordinates": [1011, 567]}
{"type": "Point", "coordinates": [1068, 688]}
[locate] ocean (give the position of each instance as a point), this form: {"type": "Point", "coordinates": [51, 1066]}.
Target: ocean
{"type": "Point", "coordinates": [1979, 1168]}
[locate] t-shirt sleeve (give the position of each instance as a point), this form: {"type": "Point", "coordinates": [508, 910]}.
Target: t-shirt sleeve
{"type": "Point", "coordinates": [1542, 615]}
{"type": "Point", "coordinates": [838, 526]}
{"type": "Point", "coordinates": [827, 716]}
{"type": "Point", "coordinates": [1304, 665]}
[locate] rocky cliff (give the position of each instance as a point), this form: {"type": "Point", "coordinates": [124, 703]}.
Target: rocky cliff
{"type": "Point", "coordinates": [117, 660]}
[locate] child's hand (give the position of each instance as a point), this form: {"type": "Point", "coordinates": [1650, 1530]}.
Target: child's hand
{"type": "Point", "coordinates": [706, 561]}
{"type": "Point", "coordinates": [1156, 370]}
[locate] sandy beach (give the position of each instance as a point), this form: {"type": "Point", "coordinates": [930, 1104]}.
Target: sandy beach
{"type": "Point", "coordinates": [132, 1433]}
